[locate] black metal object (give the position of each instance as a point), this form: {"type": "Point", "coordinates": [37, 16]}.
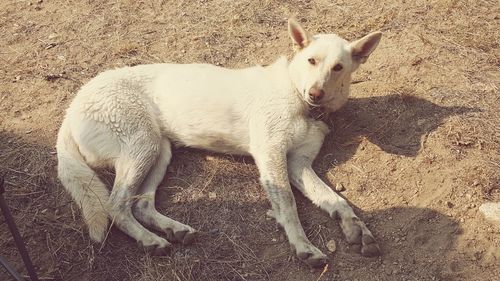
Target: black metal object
{"type": "Point", "coordinates": [17, 239]}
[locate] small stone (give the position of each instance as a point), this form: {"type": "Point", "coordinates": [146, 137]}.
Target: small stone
{"type": "Point", "coordinates": [491, 211]}
{"type": "Point", "coordinates": [339, 187]}
{"type": "Point", "coordinates": [212, 195]}
{"type": "Point", "coordinates": [331, 246]}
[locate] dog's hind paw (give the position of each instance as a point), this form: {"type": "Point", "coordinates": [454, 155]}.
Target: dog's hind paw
{"type": "Point", "coordinates": [162, 248]}
{"type": "Point", "coordinates": [369, 247]}
{"type": "Point", "coordinates": [184, 236]}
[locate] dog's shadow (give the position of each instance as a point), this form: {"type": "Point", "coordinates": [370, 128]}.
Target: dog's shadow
{"type": "Point", "coordinates": [396, 123]}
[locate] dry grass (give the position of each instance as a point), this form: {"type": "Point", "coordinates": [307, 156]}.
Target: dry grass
{"type": "Point", "coordinates": [421, 134]}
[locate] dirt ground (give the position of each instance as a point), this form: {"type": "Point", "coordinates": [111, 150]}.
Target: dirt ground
{"type": "Point", "coordinates": [416, 147]}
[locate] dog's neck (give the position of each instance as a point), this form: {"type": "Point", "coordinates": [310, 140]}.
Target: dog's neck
{"type": "Point", "coordinates": [317, 113]}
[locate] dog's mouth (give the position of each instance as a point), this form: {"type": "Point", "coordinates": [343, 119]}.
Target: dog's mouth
{"type": "Point", "coordinates": [322, 103]}
{"type": "Point", "coordinates": [312, 104]}
{"type": "Point", "coordinates": [317, 113]}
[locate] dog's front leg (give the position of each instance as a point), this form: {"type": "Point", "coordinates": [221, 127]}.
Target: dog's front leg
{"type": "Point", "coordinates": [274, 178]}
{"type": "Point", "coordinates": [307, 181]}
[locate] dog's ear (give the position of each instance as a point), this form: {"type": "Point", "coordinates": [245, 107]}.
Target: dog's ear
{"type": "Point", "coordinates": [297, 33]}
{"type": "Point", "coordinates": [362, 48]}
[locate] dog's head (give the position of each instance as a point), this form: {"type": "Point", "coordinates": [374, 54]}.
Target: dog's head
{"type": "Point", "coordinates": [321, 70]}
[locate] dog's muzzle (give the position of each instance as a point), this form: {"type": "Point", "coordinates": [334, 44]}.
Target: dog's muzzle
{"type": "Point", "coordinates": [316, 94]}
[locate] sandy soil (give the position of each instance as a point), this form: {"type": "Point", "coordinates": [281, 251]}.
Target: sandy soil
{"type": "Point", "coordinates": [417, 146]}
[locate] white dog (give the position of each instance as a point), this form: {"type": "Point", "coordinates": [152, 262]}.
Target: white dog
{"type": "Point", "coordinates": [129, 119]}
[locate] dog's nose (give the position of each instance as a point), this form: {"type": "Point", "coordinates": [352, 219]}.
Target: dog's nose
{"type": "Point", "coordinates": [316, 94]}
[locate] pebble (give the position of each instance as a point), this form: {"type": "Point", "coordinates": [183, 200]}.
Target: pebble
{"type": "Point", "coordinates": [339, 187]}
{"type": "Point", "coordinates": [331, 246]}
{"type": "Point", "coordinates": [491, 211]}
{"type": "Point", "coordinates": [213, 230]}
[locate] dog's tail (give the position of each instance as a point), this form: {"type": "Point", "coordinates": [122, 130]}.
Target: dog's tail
{"type": "Point", "coordinates": [82, 183]}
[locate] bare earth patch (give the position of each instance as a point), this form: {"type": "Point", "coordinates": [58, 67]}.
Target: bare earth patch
{"type": "Point", "coordinates": [416, 148]}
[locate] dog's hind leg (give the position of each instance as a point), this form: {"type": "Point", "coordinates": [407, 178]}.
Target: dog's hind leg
{"type": "Point", "coordinates": [144, 208]}
{"type": "Point", "coordinates": [131, 169]}
{"type": "Point", "coordinates": [305, 179]}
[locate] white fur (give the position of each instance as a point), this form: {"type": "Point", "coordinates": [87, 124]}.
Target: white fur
{"type": "Point", "coordinates": [128, 119]}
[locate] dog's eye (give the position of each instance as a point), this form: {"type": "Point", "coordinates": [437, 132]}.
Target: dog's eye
{"type": "Point", "coordinates": [337, 67]}
{"type": "Point", "coordinates": [312, 61]}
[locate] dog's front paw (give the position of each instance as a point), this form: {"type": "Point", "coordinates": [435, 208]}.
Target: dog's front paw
{"type": "Point", "coordinates": [356, 232]}
{"type": "Point", "coordinates": [311, 256]}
